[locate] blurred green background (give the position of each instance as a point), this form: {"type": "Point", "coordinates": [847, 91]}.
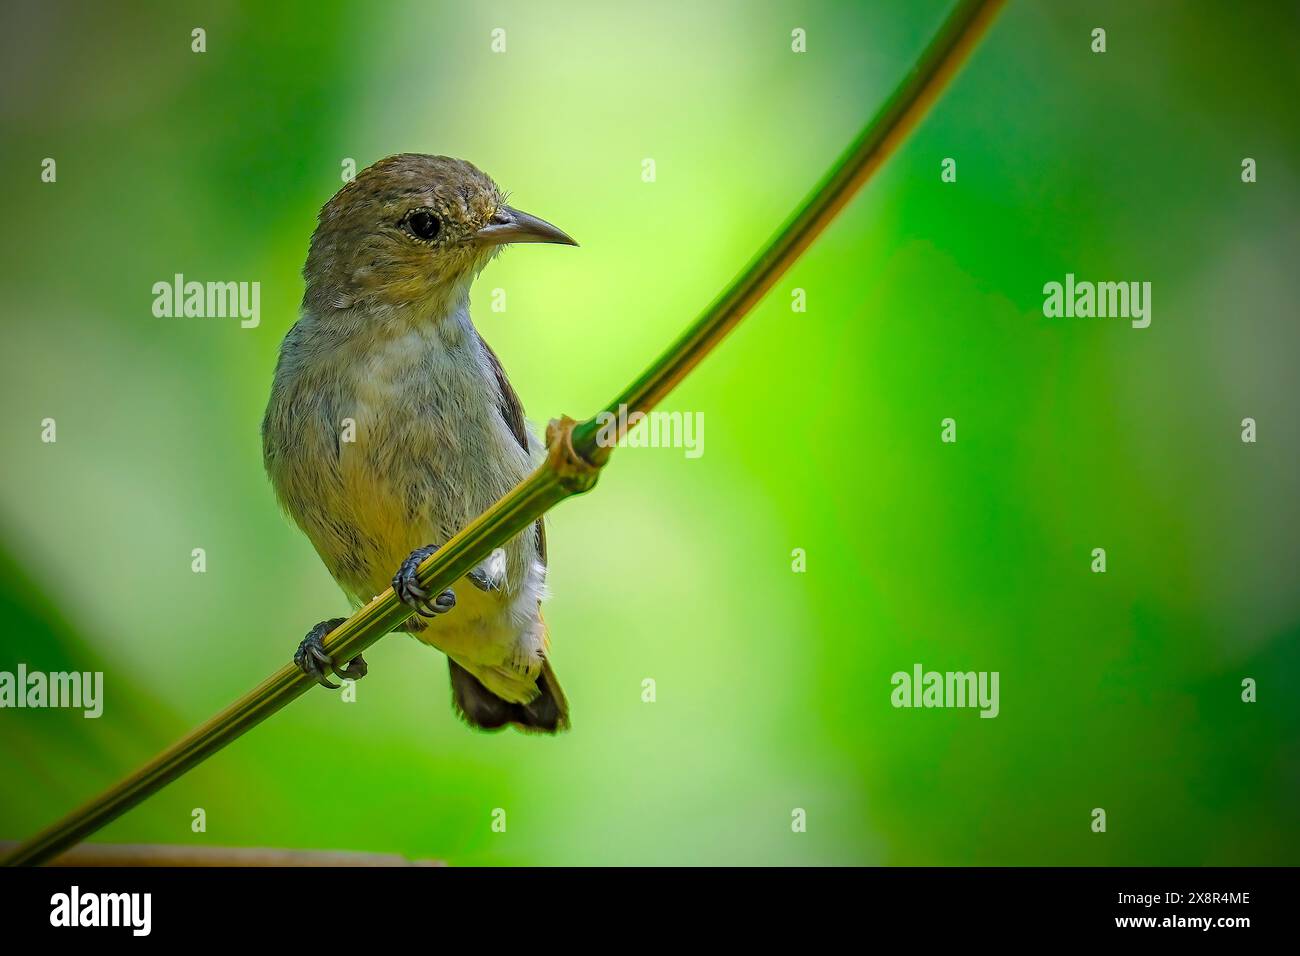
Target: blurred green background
{"type": "Point", "coordinates": [1118, 690]}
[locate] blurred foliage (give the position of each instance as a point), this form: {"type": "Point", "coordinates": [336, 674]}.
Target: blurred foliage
{"type": "Point", "coordinates": [924, 301]}
{"type": "Point", "coordinates": [60, 751]}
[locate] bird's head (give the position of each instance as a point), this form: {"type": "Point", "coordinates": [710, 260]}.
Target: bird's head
{"type": "Point", "coordinates": [409, 234]}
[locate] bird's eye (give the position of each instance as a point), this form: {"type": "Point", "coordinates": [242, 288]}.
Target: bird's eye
{"type": "Point", "coordinates": [422, 224]}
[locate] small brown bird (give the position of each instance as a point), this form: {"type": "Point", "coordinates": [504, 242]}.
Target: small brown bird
{"type": "Point", "coordinates": [392, 425]}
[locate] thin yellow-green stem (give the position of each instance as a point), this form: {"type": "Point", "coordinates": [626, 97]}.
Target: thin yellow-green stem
{"type": "Point", "coordinates": [577, 451]}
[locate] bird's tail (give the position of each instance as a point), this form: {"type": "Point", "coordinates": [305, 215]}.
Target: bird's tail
{"type": "Point", "coordinates": [547, 714]}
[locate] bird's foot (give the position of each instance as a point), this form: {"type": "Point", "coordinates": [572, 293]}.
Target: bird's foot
{"type": "Point", "coordinates": [490, 575]}
{"type": "Point", "coordinates": [407, 586]}
{"type": "Point", "coordinates": [314, 662]}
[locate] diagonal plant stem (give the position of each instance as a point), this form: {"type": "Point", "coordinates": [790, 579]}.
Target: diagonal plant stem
{"type": "Point", "coordinates": [577, 451]}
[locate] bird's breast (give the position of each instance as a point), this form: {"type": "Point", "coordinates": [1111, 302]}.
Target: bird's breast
{"type": "Point", "coordinates": [432, 450]}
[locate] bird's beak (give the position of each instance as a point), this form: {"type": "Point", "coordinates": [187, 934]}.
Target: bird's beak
{"type": "Point", "coordinates": [511, 225]}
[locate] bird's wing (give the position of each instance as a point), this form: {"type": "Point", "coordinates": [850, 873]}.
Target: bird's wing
{"type": "Point", "coordinates": [512, 411]}
{"type": "Point", "coordinates": [555, 709]}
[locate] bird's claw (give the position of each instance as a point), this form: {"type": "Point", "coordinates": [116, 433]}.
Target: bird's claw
{"type": "Point", "coordinates": [313, 661]}
{"type": "Point", "coordinates": [406, 585]}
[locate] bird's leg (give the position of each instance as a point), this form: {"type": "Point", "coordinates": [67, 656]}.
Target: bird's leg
{"type": "Point", "coordinates": [490, 575]}
{"type": "Point", "coordinates": [407, 586]}
{"type": "Point", "coordinates": [314, 662]}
